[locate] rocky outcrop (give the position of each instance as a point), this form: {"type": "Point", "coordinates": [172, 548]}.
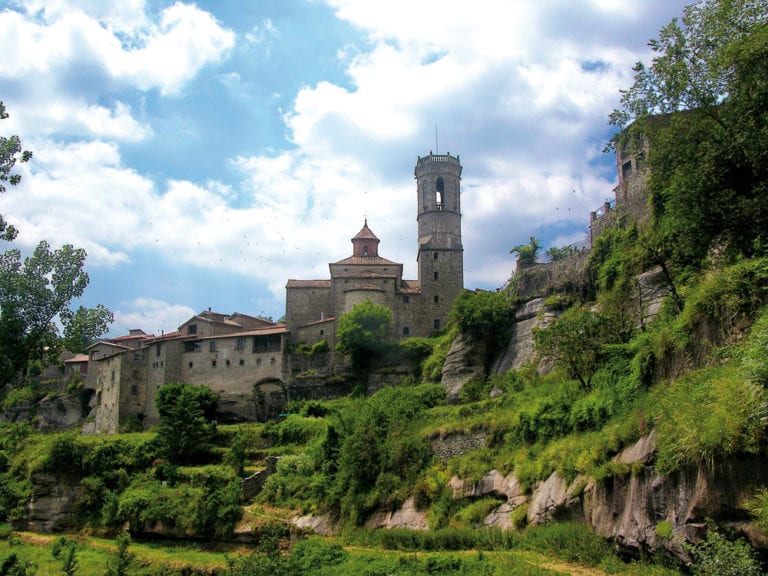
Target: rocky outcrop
{"type": "Point", "coordinates": [465, 362]}
{"type": "Point", "coordinates": [52, 503]}
{"type": "Point", "coordinates": [555, 500]}
{"type": "Point", "coordinates": [407, 516]}
{"type": "Point", "coordinates": [519, 350]}
{"type": "Point", "coordinates": [56, 412]}
{"type": "Point", "coordinates": [628, 508]}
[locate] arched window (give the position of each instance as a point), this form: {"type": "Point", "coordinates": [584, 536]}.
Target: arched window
{"type": "Point", "coordinates": [365, 250]}
{"type": "Point", "coordinates": [439, 189]}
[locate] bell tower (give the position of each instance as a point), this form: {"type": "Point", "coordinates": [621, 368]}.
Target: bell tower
{"type": "Point", "coordinates": [440, 255]}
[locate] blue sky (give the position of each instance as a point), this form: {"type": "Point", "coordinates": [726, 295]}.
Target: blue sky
{"type": "Point", "coordinates": [204, 153]}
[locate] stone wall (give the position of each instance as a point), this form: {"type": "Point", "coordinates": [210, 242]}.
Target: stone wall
{"type": "Point", "coordinates": [458, 443]}
{"type": "Point", "coordinates": [566, 276]}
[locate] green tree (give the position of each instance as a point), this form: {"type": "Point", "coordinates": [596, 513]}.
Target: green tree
{"type": "Point", "coordinates": [35, 292]}
{"type": "Point", "coordinates": [717, 556]}
{"type": "Point", "coordinates": [10, 153]}
{"type": "Point", "coordinates": [363, 333]}
{"type": "Point", "coordinates": [65, 551]}
{"type": "Point", "coordinates": [120, 562]}
{"type": "Point", "coordinates": [702, 105]}
{"type": "Point", "coordinates": [575, 341]}
{"type": "Point", "coordinates": [12, 566]}
{"type": "Point", "coordinates": [526, 253]}
{"type": "Point", "coordinates": [187, 425]}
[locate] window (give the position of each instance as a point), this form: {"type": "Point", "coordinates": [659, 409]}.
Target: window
{"type": "Point", "coordinates": [435, 273]}
{"type": "Point", "coordinates": [272, 360]}
{"type": "Point", "coordinates": [437, 323]}
{"type": "Point", "coordinates": [228, 362]}
{"type": "Point", "coordinates": [113, 376]}
{"type": "Point", "coordinates": [192, 346]}
{"type": "Point", "coordinates": [365, 250]}
{"type": "Point", "coordinates": [191, 364]}
{"type": "Point", "coordinates": [95, 355]}
{"type": "Point", "coordinates": [258, 361]}
{"type": "Point", "coordinates": [240, 344]}
{"type": "Point", "coordinates": [242, 362]}
{"type": "Point", "coordinates": [406, 331]}
{"type": "Point", "coordinates": [322, 332]}
{"type": "Point", "coordinates": [212, 346]}
{"type": "Point", "coordinates": [157, 349]}
{"type": "Point", "coordinates": [439, 189]}
{"type": "Point", "coordinates": [405, 299]}
{"type": "Point", "coordinates": [213, 363]}
{"type": "Point", "coordinates": [434, 255]}
{"type": "Point", "coordinates": [135, 390]}
{"type": "Point", "coordinates": [437, 299]}
{"type": "Point", "coordinates": [192, 329]}
{"type": "Point", "coordinates": [626, 169]}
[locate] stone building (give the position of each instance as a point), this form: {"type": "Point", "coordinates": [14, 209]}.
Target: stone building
{"type": "Point", "coordinates": [239, 357]}
{"type": "Point", "coordinates": [419, 307]}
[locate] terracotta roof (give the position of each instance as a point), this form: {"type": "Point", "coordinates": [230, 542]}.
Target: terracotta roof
{"type": "Point", "coordinates": [77, 358]}
{"type": "Point", "coordinates": [365, 233]}
{"type": "Point", "coordinates": [367, 261]}
{"type": "Point", "coordinates": [308, 284]}
{"type": "Point", "coordinates": [109, 343]}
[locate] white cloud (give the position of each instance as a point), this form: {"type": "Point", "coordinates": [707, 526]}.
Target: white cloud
{"type": "Point", "coordinates": [151, 315]}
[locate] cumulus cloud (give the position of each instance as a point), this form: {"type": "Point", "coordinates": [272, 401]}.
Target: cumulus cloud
{"type": "Point", "coordinates": [151, 315]}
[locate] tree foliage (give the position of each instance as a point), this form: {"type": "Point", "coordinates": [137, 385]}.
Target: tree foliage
{"type": "Point", "coordinates": [576, 340]}
{"type": "Point", "coordinates": [702, 104]}
{"type": "Point", "coordinates": [364, 332]}
{"type": "Point", "coordinates": [35, 292]}
{"type": "Point", "coordinates": [526, 253]}
{"type": "Point", "coordinates": [10, 153]}
{"type": "Point", "coordinates": [187, 426]}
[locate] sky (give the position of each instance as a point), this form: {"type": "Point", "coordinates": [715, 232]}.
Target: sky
{"type": "Point", "coordinates": [204, 153]}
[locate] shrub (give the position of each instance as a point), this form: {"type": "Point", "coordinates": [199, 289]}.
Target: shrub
{"type": "Point", "coordinates": [717, 556]}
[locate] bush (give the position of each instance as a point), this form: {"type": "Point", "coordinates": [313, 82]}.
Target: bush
{"type": "Point", "coordinates": [717, 556]}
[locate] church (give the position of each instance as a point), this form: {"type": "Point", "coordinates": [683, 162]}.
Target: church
{"type": "Point", "coordinates": [419, 307]}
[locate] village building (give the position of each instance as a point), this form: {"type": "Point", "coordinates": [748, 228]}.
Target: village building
{"type": "Point", "coordinates": [249, 362]}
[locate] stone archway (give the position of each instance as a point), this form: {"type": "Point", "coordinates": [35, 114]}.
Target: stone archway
{"type": "Point", "coordinates": [269, 397]}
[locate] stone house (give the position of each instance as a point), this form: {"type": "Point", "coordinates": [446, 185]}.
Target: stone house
{"type": "Point", "coordinates": [240, 357]}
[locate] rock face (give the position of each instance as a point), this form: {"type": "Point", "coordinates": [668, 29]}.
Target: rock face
{"type": "Point", "coordinates": [520, 351]}
{"type": "Point", "coordinates": [407, 516]}
{"type": "Point", "coordinates": [465, 361]}
{"type": "Point", "coordinates": [51, 506]}
{"type": "Point", "coordinates": [59, 412]}
{"type": "Point", "coordinates": [628, 508]}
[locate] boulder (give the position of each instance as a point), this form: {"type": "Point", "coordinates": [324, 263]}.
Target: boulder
{"type": "Point", "coordinates": [407, 516]}
{"type": "Point", "coordinates": [464, 362]}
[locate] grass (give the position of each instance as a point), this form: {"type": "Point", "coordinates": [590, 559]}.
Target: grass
{"type": "Point", "coordinates": [538, 554]}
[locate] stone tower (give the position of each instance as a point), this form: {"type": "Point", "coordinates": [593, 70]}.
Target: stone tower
{"type": "Point", "coordinates": [441, 255]}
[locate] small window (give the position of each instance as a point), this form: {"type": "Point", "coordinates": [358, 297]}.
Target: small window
{"type": "Point", "coordinates": [213, 363]}
{"type": "Point", "coordinates": [240, 344]}
{"type": "Point", "coordinates": [272, 360]}
{"type": "Point", "coordinates": [437, 299]}
{"type": "Point", "coordinates": [192, 329]}
{"type": "Point", "coordinates": [626, 169]}
{"type": "Point", "coordinates": [436, 274]}
{"type": "Point", "coordinates": [135, 390]}
{"type": "Point", "coordinates": [258, 361]}
{"type": "Point", "coordinates": [434, 255]}
{"type": "Point", "coordinates": [228, 362]}
{"type": "Point", "coordinates": [322, 332]}
{"type": "Point", "coordinates": [157, 349]}
{"type": "Point", "coordinates": [365, 250]}
{"type": "Point", "coordinates": [406, 331]}
{"type": "Point", "coordinates": [242, 362]}
{"type": "Point", "coordinates": [113, 375]}
{"type": "Point", "coordinates": [191, 364]}
{"type": "Point", "coordinates": [437, 324]}
{"type": "Point", "coordinates": [212, 346]}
